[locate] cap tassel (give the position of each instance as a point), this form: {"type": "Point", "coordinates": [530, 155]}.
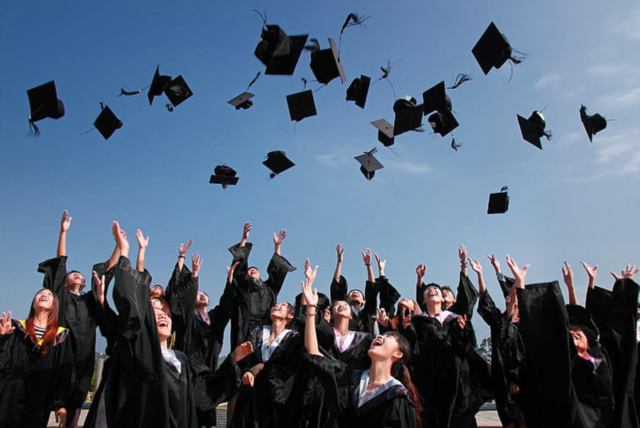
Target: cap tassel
{"type": "Point", "coordinates": [262, 16]}
{"type": "Point", "coordinates": [351, 21]}
{"type": "Point", "coordinates": [455, 146]}
{"type": "Point", "coordinates": [169, 107]}
{"type": "Point", "coordinates": [254, 79]}
{"type": "Point", "coordinates": [33, 128]}
{"type": "Point", "coordinates": [129, 93]}
{"type": "Point", "coordinates": [314, 46]}
{"type": "Point", "coordinates": [385, 74]}
{"type": "Point", "coordinates": [460, 79]}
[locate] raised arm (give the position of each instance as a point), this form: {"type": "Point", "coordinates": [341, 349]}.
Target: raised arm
{"type": "Point", "coordinates": [495, 263]}
{"type": "Point", "coordinates": [366, 258]}
{"type": "Point", "coordinates": [462, 254]}
{"type": "Point", "coordinates": [142, 248]}
{"type": "Point", "coordinates": [477, 268]}
{"type": "Point", "coordinates": [381, 265]}
{"type": "Point", "coordinates": [5, 324]}
{"type": "Point", "coordinates": [196, 262]}
{"type": "Point", "coordinates": [567, 276]}
{"type": "Point", "coordinates": [338, 271]}
{"type": "Point", "coordinates": [245, 234]}
{"type": "Point", "coordinates": [277, 241]}
{"type": "Point", "coordinates": [518, 274]}
{"type": "Point", "coordinates": [182, 253]}
{"type": "Point", "coordinates": [65, 224]}
{"type": "Point", "coordinates": [629, 273]}
{"type": "Point", "coordinates": [420, 272]}
{"type": "Point", "coordinates": [310, 300]}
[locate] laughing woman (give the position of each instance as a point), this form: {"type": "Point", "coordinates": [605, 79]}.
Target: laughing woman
{"type": "Point", "coordinates": [35, 365]}
{"type": "Point", "coordinates": [382, 396]}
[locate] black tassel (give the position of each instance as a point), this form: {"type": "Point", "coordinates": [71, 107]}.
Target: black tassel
{"type": "Point", "coordinates": [455, 146]}
{"type": "Point", "coordinates": [314, 46]}
{"type": "Point", "coordinates": [101, 105]}
{"type": "Point", "coordinates": [254, 79]}
{"type": "Point", "coordinates": [128, 93]}
{"type": "Point", "coordinates": [169, 107]}
{"type": "Point", "coordinates": [33, 129]}
{"type": "Point", "coordinates": [460, 79]}
{"type": "Point", "coordinates": [262, 16]}
{"type": "Point", "coordinates": [353, 20]}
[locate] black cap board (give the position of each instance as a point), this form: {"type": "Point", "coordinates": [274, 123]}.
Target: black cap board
{"type": "Point", "coordinates": [358, 90]}
{"type": "Point", "coordinates": [326, 64]}
{"type": "Point", "coordinates": [369, 164]}
{"type": "Point", "coordinates": [277, 162]}
{"type": "Point", "coordinates": [278, 52]}
{"type": "Point", "coordinates": [44, 102]}
{"type": "Point", "coordinates": [158, 85]}
{"type": "Point", "coordinates": [498, 202]}
{"type": "Point", "coordinates": [301, 105]}
{"type": "Point", "coordinates": [385, 132]}
{"type": "Point", "coordinates": [242, 101]}
{"type": "Point", "coordinates": [443, 122]}
{"type": "Point", "coordinates": [492, 49]}
{"type": "Point", "coordinates": [592, 124]}
{"type": "Point", "coordinates": [178, 91]}
{"type": "Point", "coordinates": [107, 123]}
{"type": "Point", "coordinates": [435, 99]}
{"type": "Point", "coordinates": [408, 115]}
{"type": "Point", "coordinates": [224, 175]}
{"type": "Point", "coordinates": [533, 128]}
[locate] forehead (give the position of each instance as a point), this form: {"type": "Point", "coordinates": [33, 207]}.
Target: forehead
{"type": "Point", "coordinates": [355, 293]}
{"type": "Point", "coordinates": [44, 291]}
{"type": "Point", "coordinates": [433, 287]}
{"type": "Point", "coordinates": [160, 312]}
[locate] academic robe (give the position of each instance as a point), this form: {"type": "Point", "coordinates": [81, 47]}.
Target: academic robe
{"type": "Point", "coordinates": [140, 388]}
{"type": "Point", "coordinates": [361, 320]}
{"type": "Point", "coordinates": [592, 381]}
{"type": "Point", "coordinates": [356, 355]}
{"type": "Point", "coordinates": [267, 403]}
{"type": "Point", "coordinates": [508, 356]}
{"type": "Point", "coordinates": [32, 385]}
{"type": "Point", "coordinates": [78, 314]}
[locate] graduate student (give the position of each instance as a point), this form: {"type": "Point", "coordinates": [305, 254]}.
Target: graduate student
{"type": "Point", "coordinates": [380, 397]}
{"type": "Point", "coordinates": [35, 366]}
{"type": "Point", "coordinates": [149, 384]}
{"type": "Point", "coordinates": [77, 311]}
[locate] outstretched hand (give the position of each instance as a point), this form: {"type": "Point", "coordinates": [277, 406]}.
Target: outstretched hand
{"type": "Point", "coordinates": [381, 263]}
{"type": "Point", "coordinates": [462, 254]}
{"type": "Point", "coordinates": [339, 252]}
{"type": "Point", "coordinates": [277, 239]}
{"type": "Point", "coordinates": [142, 241]}
{"type": "Point", "coordinates": [185, 247]}
{"type": "Point", "coordinates": [475, 266]}
{"type": "Point", "coordinates": [518, 274]}
{"type": "Point", "coordinates": [567, 275]}
{"type": "Point", "coordinates": [381, 317]}
{"type": "Point", "coordinates": [5, 324]}
{"type": "Point", "coordinates": [629, 272]}
{"type": "Point", "coordinates": [65, 224]}
{"type": "Point", "coordinates": [121, 239]}
{"type": "Point", "coordinates": [309, 294]}
{"type": "Point", "coordinates": [196, 262]}
{"type": "Point", "coordinates": [246, 230]}
{"type": "Point", "coordinates": [230, 272]}
{"type": "Point", "coordinates": [366, 257]}
{"type": "Point", "coordinates": [99, 287]}
{"type": "Point", "coordinates": [494, 262]}
{"type": "Point", "coordinates": [421, 270]}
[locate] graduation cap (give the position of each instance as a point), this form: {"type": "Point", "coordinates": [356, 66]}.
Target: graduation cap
{"type": "Point", "coordinates": [277, 162]}
{"type": "Point", "coordinates": [592, 124]}
{"type": "Point", "coordinates": [43, 103]}
{"type": "Point", "coordinates": [326, 65]}
{"type": "Point", "coordinates": [278, 52]}
{"type": "Point", "coordinates": [242, 101]}
{"type": "Point", "coordinates": [158, 85]}
{"type": "Point", "coordinates": [358, 90]}
{"type": "Point", "coordinates": [408, 115]}
{"type": "Point", "coordinates": [224, 175]}
{"type": "Point", "coordinates": [498, 202]}
{"type": "Point", "coordinates": [369, 164]}
{"type": "Point", "coordinates": [177, 91]}
{"type": "Point", "coordinates": [435, 99]}
{"type": "Point", "coordinates": [301, 105]}
{"type": "Point", "coordinates": [443, 122]}
{"type": "Point", "coordinates": [533, 128]}
{"type": "Point", "coordinates": [493, 50]}
{"type": "Point", "coordinates": [385, 132]}
{"type": "Point", "coordinates": [107, 123]}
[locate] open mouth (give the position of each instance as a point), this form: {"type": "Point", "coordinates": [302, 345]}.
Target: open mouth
{"type": "Point", "coordinates": [378, 341]}
{"type": "Point", "coordinates": [432, 293]}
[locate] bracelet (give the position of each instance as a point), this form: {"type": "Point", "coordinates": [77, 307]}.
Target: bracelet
{"type": "Point", "coordinates": [367, 264]}
{"type": "Point", "coordinates": [311, 313]}
{"type": "Point", "coordinates": [463, 265]}
{"type": "Point", "coordinates": [181, 256]}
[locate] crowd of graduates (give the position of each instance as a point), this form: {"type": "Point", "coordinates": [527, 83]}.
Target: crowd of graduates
{"type": "Point", "coordinates": [354, 358]}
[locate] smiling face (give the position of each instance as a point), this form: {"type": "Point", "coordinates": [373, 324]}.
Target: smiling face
{"type": "Point", "coordinates": [156, 291]}
{"type": "Point", "coordinates": [202, 299]}
{"type": "Point", "coordinates": [75, 281]}
{"type": "Point", "coordinates": [281, 311]}
{"type": "Point", "coordinates": [432, 294]}
{"type": "Point", "coordinates": [579, 340]}
{"type": "Point", "coordinates": [43, 300]}
{"type": "Point", "coordinates": [253, 273]}
{"type": "Point", "coordinates": [163, 323]}
{"type": "Point", "coordinates": [355, 298]}
{"type": "Point", "coordinates": [385, 347]}
{"type": "Point", "coordinates": [341, 308]}
{"type": "Point", "coordinates": [449, 298]}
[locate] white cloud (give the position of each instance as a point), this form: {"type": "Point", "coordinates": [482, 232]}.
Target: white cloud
{"type": "Point", "coordinates": [626, 98]}
{"type": "Point", "coordinates": [606, 69]}
{"type": "Point", "coordinates": [569, 138]}
{"type": "Point", "coordinates": [547, 80]}
{"type": "Point", "coordinates": [628, 25]}
{"type": "Point", "coordinates": [621, 149]}
{"type": "Point", "coordinates": [410, 167]}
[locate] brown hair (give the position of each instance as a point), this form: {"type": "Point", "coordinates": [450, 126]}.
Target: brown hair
{"type": "Point", "coordinates": [51, 331]}
{"type": "Point", "coordinates": [400, 371]}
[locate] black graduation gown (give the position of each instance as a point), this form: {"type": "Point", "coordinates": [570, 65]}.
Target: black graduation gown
{"type": "Point", "coordinates": [267, 403]}
{"type": "Point", "coordinates": [614, 313]}
{"type": "Point", "coordinates": [361, 321]}
{"type": "Point", "coordinates": [249, 303]}
{"type": "Point", "coordinates": [77, 313]}
{"type": "Point", "coordinates": [593, 387]}
{"type": "Point", "coordinates": [140, 389]}
{"type": "Point", "coordinates": [508, 356]}
{"type": "Point", "coordinates": [32, 385]}
{"type": "Point", "coordinates": [440, 370]}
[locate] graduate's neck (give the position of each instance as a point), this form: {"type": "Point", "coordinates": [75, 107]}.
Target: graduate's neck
{"type": "Point", "coordinates": [277, 327]}
{"type": "Point", "coordinates": [434, 308]}
{"type": "Point", "coordinates": [201, 309]}
{"type": "Point", "coordinates": [341, 324]}
{"type": "Point", "coordinates": [379, 372]}
{"type": "Point", "coordinates": [41, 319]}
{"type": "Point", "coordinates": [356, 304]}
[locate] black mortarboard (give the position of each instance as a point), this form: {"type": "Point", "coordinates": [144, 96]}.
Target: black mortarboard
{"type": "Point", "coordinates": [592, 124]}
{"type": "Point", "coordinates": [493, 49]}
{"type": "Point", "coordinates": [277, 162]}
{"type": "Point", "coordinates": [408, 115]}
{"type": "Point", "coordinates": [385, 132]}
{"type": "Point", "coordinates": [178, 91]}
{"type": "Point", "coordinates": [242, 101]}
{"type": "Point", "coordinates": [326, 64]}
{"type": "Point", "coordinates": [158, 85]}
{"type": "Point", "coordinates": [278, 52]}
{"type": "Point", "coordinates": [107, 123]}
{"type": "Point", "coordinates": [369, 164]}
{"type": "Point", "coordinates": [435, 99]}
{"type": "Point", "coordinates": [358, 90]}
{"type": "Point", "coordinates": [44, 102]}
{"type": "Point", "coordinates": [533, 128]}
{"type": "Point", "coordinates": [224, 175]}
{"type": "Point", "coordinates": [301, 105]}
{"type": "Point", "coordinates": [498, 202]}
{"type": "Point", "coordinates": [443, 122]}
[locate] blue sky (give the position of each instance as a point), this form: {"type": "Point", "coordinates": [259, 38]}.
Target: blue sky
{"type": "Point", "coordinates": [572, 201]}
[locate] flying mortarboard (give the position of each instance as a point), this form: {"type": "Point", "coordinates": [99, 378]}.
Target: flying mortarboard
{"type": "Point", "coordinates": [277, 162]}
{"type": "Point", "coordinates": [107, 123]}
{"type": "Point", "coordinates": [177, 91]}
{"type": "Point", "coordinates": [326, 64]}
{"type": "Point", "coordinates": [158, 85]}
{"type": "Point", "coordinates": [358, 90]}
{"type": "Point", "coordinates": [224, 175]}
{"type": "Point", "coordinates": [242, 101]}
{"type": "Point", "coordinates": [385, 132]}
{"type": "Point", "coordinates": [369, 164]}
{"type": "Point", "coordinates": [301, 105]}
{"type": "Point", "coordinates": [498, 202]}
{"type": "Point", "coordinates": [278, 52]}
{"type": "Point", "coordinates": [436, 99]}
{"type": "Point", "coordinates": [592, 124]}
{"type": "Point", "coordinates": [533, 128]}
{"type": "Point", "coordinates": [443, 122]}
{"type": "Point", "coordinates": [493, 50]}
{"type": "Point", "coordinates": [408, 115]}
{"type": "Point", "coordinates": [43, 103]}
